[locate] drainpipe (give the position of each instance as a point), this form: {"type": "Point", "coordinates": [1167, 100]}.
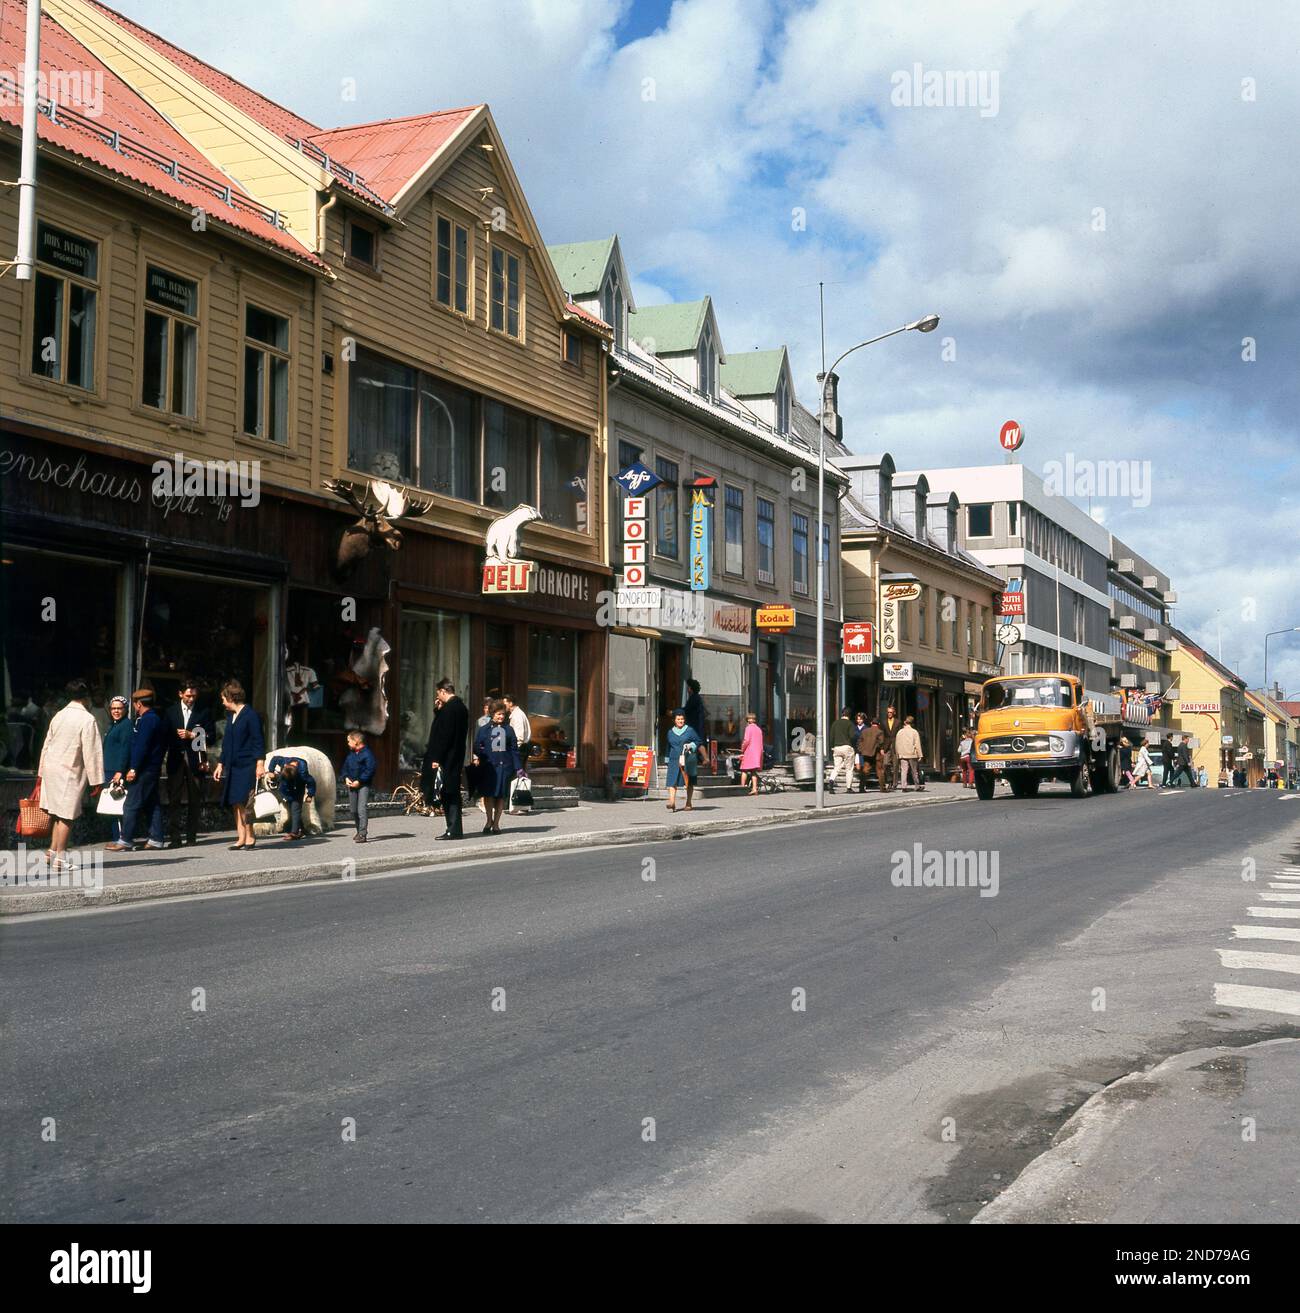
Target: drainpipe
{"type": "Point", "coordinates": [25, 264]}
{"type": "Point", "coordinates": [320, 224]}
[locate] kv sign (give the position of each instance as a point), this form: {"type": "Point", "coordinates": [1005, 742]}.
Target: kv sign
{"type": "Point", "coordinates": [1011, 436]}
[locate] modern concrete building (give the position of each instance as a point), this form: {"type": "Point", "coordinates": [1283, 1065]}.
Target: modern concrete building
{"type": "Point", "coordinates": [1142, 639]}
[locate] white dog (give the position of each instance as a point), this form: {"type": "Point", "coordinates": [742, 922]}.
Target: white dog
{"type": "Point", "coordinates": [503, 533]}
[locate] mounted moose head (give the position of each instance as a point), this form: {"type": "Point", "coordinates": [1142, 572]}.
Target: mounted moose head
{"type": "Point", "coordinates": [381, 506]}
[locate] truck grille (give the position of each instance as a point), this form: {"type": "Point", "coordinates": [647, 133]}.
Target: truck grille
{"type": "Point", "coordinates": [1014, 743]}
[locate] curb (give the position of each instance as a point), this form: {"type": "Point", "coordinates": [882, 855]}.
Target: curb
{"type": "Point", "coordinates": [62, 900]}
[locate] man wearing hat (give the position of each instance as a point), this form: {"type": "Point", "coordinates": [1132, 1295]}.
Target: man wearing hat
{"type": "Point", "coordinates": [148, 745]}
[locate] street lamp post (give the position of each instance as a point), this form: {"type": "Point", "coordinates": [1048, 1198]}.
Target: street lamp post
{"type": "Point", "coordinates": [925, 325]}
{"type": "Point", "coordinates": [1294, 629]}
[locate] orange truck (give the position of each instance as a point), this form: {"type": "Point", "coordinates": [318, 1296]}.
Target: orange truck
{"type": "Point", "coordinates": [1048, 727]}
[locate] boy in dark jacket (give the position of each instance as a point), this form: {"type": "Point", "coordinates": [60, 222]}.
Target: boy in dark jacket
{"type": "Point", "coordinates": [358, 771]}
{"type": "Point", "coordinates": [296, 785]}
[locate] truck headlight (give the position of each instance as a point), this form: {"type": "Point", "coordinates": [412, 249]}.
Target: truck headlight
{"type": "Point", "coordinates": [1056, 744]}
{"type": "Point", "coordinates": [984, 749]}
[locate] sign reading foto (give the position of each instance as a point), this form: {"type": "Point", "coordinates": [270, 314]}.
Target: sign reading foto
{"type": "Point", "coordinates": [857, 643]}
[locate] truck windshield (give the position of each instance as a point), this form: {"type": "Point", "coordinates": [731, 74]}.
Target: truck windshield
{"type": "Point", "coordinates": [1026, 693]}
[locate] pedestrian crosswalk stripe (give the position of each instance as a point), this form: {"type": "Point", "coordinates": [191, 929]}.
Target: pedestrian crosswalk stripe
{"type": "Point", "coordinates": [1259, 998]}
{"type": "Point", "coordinates": [1286, 912]}
{"type": "Point", "coordinates": [1236, 960]}
{"type": "Point", "coordinates": [1292, 897]}
{"type": "Point", "coordinates": [1288, 932]}
{"type": "Point", "coordinates": [1281, 884]}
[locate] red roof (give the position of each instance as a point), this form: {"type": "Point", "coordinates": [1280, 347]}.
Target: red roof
{"type": "Point", "coordinates": [147, 143]}
{"type": "Point", "coordinates": [1292, 709]}
{"type": "Point", "coordinates": [574, 309]}
{"type": "Point", "coordinates": [389, 153]}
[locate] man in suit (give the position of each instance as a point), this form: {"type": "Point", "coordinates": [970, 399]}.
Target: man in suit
{"type": "Point", "coordinates": [148, 746]}
{"type": "Point", "coordinates": [446, 752]}
{"type": "Point", "coordinates": [190, 733]}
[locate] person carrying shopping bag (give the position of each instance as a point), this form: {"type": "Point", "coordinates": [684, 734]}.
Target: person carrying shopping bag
{"type": "Point", "coordinates": [497, 763]}
{"type": "Point", "coordinates": [684, 748]}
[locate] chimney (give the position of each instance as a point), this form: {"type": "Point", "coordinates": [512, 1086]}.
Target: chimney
{"type": "Point", "coordinates": [831, 401]}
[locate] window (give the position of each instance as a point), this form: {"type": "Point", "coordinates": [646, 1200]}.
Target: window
{"type": "Point", "coordinates": [448, 446]}
{"type": "Point", "coordinates": [783, 407]}
{"type": "Point", "coordinates": [904, 622]}
{"type": "Point", "coordinates": [956, 624]}
{"type": "Point", "coordinates": [362, 243]}
{"type": "Point", "coordinates": [572, 349]}
{"type": "Point", "coordinates": [564, 458]}
{"type": "Point", "coordinates": [667, 540]}
{"type": "Point", "coordinates": [970, 629]}
{"type": "Point", "coordinates": [1013, 519]}
{"type": "Point", "coordinates": [766, 541]}
{"type": "Point", "coordinates": [452, 279]}
{"type": "Point", "coordinates": [826, 560]}
{"type": "Point", "coordinates": [508, 467]}
{"type": "Point", "coordinates": [381, 417]}
{"type": "Point", "coordinates": [979, 520]}
{"type": "Point", "coordinates": [799, 529]}
{"type": "Point", "coordinates": [707, 365]}
{"type": "Point", "coordinates": [505, 293]}
{"type": "Point", "coordinates": [922, 634]}
{"type": "Point", "coordinates": [940, 612]}
{"type": "Point", "coordinates": [552, 703]}
{"type": "Point", "coordinates": [734, 553]}
{"type": "Point", "coordinates": [612, 307]}
{"type": "Point", "coordinates": [266, 375]}
{"type": "Point", "coordinates": [171, 343]}
{"type": "Point", "coordinates": [67, 297]}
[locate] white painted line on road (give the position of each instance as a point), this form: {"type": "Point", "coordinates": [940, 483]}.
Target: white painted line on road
{"type": "Point", "coordinates": [1288, 932]}
{"type": "Point", "coordinates": [1291, 912]}
{"type": "Point", "coordinates": [1236, 960]}
{"type": "Point", "coordinates": [1293, 897]}
{"type": "Point", "coordinates": [1278, 884]}
{"type": "Point", "coordinates": [1259, 998]}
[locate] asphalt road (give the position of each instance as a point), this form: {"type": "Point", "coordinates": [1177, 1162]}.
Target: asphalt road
{"type": "Point", "coordinates": [373, 1005]}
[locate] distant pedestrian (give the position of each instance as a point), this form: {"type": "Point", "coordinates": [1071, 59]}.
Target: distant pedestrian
{"type": "Point", "coordinates": [695, 711]}
{"type": "Point", "coordinates": [72, 757]}
{"type": "Point", "coordinates": [1204, 777]}
{"type": "Point", "coordinates": [242, 764]}
{"type": "Point", "coordinates": [444, 758]}
{"type": "Point", "coordinates": [891, 725]}
{"type": "Point", "coordinates": [871, 749]}
{"type": "Point", "coordinates": [117, 752]}
{"type": "Point", "coordinates": [190, 733]}
{"type": "Point", "coordinates": [907, 744]}
{"type": "Point", "coordinates": [143, 776]}
{"type": "Point", "coordinates": [964, 750]}
{"type": "Point", "coordinates": [842, 752]}
{"type": "Point", "coordinates": [358, 770]}
{"type": "Point", "coordinates": [751, 753]}
{"type": "Point", "coordinates": [296, 787]}
{"type": "Point", "coordinates": [517, 719]}
{"type": "Point", "coordinates": [497, 765]}
{"type": "Point", "coordinates": [1126, 763]}
{"type": "Point", "coordinates": [1142, 768]}
{"type": "Point", "coordinates": [684, 748]}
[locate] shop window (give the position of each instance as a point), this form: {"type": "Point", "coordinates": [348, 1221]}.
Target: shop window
{"type": "Point", "coordinates": [766, 541]}
{"type": "Point", "coordinates": [734, 560]}
{"type": "Point", "coordinates": [434, 645]}
{"type": "Point", "coordinates": [452, 277]}
{"type": "Point", "coordinates": [506, 304]}
{"type": "Point", "coordinates": [171, 343]}
{"type": "Point", "coordinates": [564, 458]}
{"type": "Point", "coordinates": [266, 374]}
{"type": "Point", "coordinates": [66, 302]}
{"type": "Point", "coordinates": [799, 527]}
{"type": "Point", "coordinates": [800, 702]}
{"type": "Point", "coordinates": [667, 525]}
{"type": "Point", "coordinates": [381, 417]}
{"type": "Point", "coordinates": [724, 688]}
{"type": "Point", "coordinates": [628, 722]}
{"type": "Point", "coordinates": [448, 447]}
{"type": "Point", "coordinates": [40, 657]}
{"type": "Point", "coordinates": [553, 694]}
{"type": "Point", "coordinates": [509, 469]}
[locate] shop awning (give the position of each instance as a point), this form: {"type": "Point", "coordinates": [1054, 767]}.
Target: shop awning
{"type": "Point", "coordinates": [715, 646]}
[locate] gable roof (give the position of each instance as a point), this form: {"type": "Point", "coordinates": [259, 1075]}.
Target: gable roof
{"type": "Point", "coordinates": [754, 373]}
{"type": "Point", "coordinates": [1216, 667]}
{"type": "Point", "coordinates": [581, 266]}
{"type": "Point", "coordinates": [131, 140]}
{"type": "Point", "coordinates": [674, 328]}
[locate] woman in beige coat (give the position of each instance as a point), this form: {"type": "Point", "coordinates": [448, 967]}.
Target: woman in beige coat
{"type": "Point", "coordinates": [71, 757]}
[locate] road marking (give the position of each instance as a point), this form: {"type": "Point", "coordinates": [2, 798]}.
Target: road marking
{"type": "Point", "coordinates": [1274, 911]}
{"type": "Point", "coordinates": [1259, 998]}
{"type": "Point", "coordinates": [1278, 884]}
{"type": "Point", "coordinates": [1236, 960]}
{"type": "Point", "coordinates": [1293, 897]}
{"type": "Point", "coordinates": [1288, 932]}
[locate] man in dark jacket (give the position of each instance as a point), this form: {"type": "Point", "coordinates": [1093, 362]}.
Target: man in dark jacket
{"type": "Point", "coordinates": [889, 728]}
{"type": "Point", "coordinates": [871, 748]}
{"type": "Point", "coordinates": [693, 709]}
{"type": "Point", "coordinates": [1167, 762]}
{"type": "Point", "coordinates": [190, 733]}
{"type": "Point", "coordinates": [446, 752]}
{"type": "Point", "coordinates": [148, 747]}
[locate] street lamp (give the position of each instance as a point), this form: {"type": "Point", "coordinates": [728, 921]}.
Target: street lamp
{"type": "Point", "coordinates": [925, 325]}
{"type": "Point", "coordinates": [1295, 629]}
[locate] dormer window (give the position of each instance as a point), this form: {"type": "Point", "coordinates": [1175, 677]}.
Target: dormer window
{"type": "Point", "coordinates": [707, 364]}
{"type": "Point", "coordinates": [613, 309]}
{"type": "Point", "coordinates": [783, 407]}
{"type": "Point", "coordinates": [886, 498]}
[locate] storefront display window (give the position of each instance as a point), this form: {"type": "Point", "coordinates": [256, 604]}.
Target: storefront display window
{"type": "Point", "coordinates": [723, 686]}
{"type": "Point", "coordinates": [629, 694]}
{"type": "Point", "coordinates": [552, 694]}
{"type": "Point", "coordinates": [434, 646]}
{"type": "Point", "coordinates": [800, 701]}
{"type": "Point", "coordinates": [46, 645]}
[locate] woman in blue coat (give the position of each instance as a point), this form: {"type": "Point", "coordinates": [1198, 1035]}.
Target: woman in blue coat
{"type": "Point", "coordinates": [684, 748]}
{"type": "Point", "coordinates": [496, 758]}
{"type": "Point", "coordinates": [117, 751]}
{"type": "Point", "coordinates": [243, 748]}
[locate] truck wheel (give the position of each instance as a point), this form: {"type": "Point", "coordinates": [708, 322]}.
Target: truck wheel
{"type": "Point", "coordinates": [1081, 781]}
{"type": "Point", "coordinates": [984, 783]}
{"type": "Point", "coordinates": [1024, 786]}
{"type": "Point", "coordinates": [1112, 770]}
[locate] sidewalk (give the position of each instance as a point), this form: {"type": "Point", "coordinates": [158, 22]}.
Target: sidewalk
{"type": "Point", "coordinates": [400, 842]}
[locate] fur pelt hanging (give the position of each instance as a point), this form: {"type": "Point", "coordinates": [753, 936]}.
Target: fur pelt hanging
{"type": "Point", "coordinates": [364, 702]}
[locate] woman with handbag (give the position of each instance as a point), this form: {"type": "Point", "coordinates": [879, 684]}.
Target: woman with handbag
{"type": "Point", "coordinates": [684, 747]}
{"type": "Point", "coordinates": [496, 757]}
{"type": "Point", "coordinates": [117, 758]}
{"type": "Point", "coordinates": [243, 747]}
{"type": "Point", "coordinates": [71, 757]}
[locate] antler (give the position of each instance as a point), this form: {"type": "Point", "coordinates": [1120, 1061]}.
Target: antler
{"type": "Point", "coordinates": [341, 488]}
{"type": "Point", "coordinates": [416, 507]}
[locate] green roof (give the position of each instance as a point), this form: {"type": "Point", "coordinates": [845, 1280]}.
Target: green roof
{"type": "Point", "coordinates": [753, 373]}
{"type": "Point", "coordinates": [671, 328]}
{"type": "Point", "coordinates": [581, 265]}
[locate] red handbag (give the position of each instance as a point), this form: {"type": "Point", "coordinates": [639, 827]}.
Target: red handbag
{"type": "Point", "coordinates": [33, 822]}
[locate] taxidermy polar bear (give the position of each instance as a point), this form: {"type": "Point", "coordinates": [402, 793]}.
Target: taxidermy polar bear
{"type": "Point", "coordinates": [503, 533]}
{"type": "Point", "coordinates": [318, 815]}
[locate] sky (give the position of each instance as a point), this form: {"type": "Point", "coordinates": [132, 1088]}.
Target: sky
{"type": "Point", "coordinates": [1099, 198]}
